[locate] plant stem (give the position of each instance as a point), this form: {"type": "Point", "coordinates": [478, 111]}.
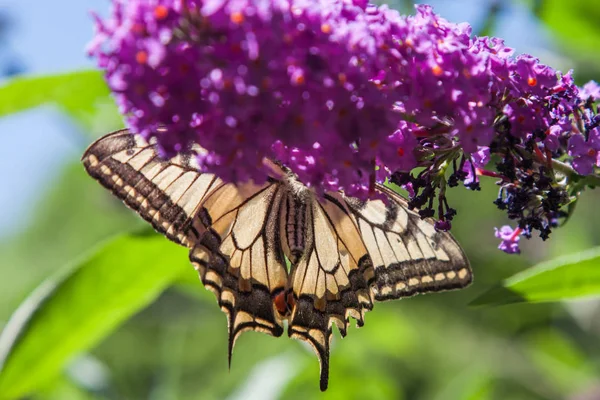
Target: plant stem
{"type": "Point", "coordinates": [569, 172]}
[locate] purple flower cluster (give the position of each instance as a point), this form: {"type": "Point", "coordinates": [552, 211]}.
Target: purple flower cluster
{"type": "Point", "coordinates": [245, 79]}
{"type": "Point", "coordinates": [346, 94]}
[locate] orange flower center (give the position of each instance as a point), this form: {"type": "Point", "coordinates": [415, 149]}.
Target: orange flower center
{"type": "Point", "coordinates": [592, 152]}
{"type": "Point", "coordinates": [141, 57]}
{"type": "Point", "coordinates": [237, 17]}
{"type": "Point", "coordinates": [161, 12]}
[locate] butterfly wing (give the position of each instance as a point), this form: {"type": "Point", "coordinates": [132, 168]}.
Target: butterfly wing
{"type": "Point", "coordinates": [353, 251]}
{"type": "Point", "coordinates": [165, 193]}
{"type": "Point", "coordinates": [408, 254]}
{"type": "Point", "coordinates": [357, 252]}
{"type": "Point", "coordinates": [331, 281]}
{"type": "Point", "coordinates": [230, 229]}
{"type": "Point", "coordinates": [240, 259]}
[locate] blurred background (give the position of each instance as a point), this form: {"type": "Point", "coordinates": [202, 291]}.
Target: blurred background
{"type": "Point", "coordinates": [428, 347]}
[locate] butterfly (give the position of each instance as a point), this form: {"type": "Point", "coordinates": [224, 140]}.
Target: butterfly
{"type": "Point", "coordinates": [278, 251]}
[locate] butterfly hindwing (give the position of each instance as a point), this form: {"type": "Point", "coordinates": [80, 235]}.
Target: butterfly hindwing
{"type": "Point", "coordinates": [408, 254]}
{"type": "Point", "coordinates": [331, 282]}
{"type": "Point", "coordinates": [238, 259]}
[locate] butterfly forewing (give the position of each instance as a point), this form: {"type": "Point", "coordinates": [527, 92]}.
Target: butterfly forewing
{"type": "Point", "coordinates": [164, 193]}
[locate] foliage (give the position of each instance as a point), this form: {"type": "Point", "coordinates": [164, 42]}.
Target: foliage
{"type": "Point", "coordinates": [563, 278]}
{"type": "Point", "coordinates": [61, 318]}
{"type": "Point", "coordinates": [144, 327]}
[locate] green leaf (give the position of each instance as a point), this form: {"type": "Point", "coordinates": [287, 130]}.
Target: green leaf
{"type": "Point", "coordinates": [90, 217]}
{"type": "Point", "coordinates": [563, 278]}
{"type": "Point", "coordinates": [83, 95]}
{"type": "Point", "coordinates": [71, 313]}
{"type": "Point", "coordinates": [575, 26]}
{"type": "Point", "coordinates": [560, 360]}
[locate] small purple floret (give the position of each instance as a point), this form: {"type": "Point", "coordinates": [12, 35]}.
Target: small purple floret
{"type": "Point", "coordinates": [510, 239]}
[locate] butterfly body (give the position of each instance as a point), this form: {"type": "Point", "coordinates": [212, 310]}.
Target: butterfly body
{"type": "Point", "coordinates": [343, 253]}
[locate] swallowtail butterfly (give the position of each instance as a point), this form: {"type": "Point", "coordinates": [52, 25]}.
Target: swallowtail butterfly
{"type": "Point", "coordinates": [343, 253]}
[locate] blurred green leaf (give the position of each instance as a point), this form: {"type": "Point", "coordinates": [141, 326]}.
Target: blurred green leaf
{"type": "Point", "coordinates": [561, 361]}
{"type": "Point", "coordinates": [77, 210]}
{"type": "Point", "coordinates": [574, 24]}
{"type": "Point", "coordinates": [474, 383]}
{"type": "Point", "coordinates": [567, 277]}
{"type": "Point", "coordinates": [64, 388]}
{"type": "Point", "coordinates": [83, 95]}
{"type": "Point", "coordinates": [69, 314]}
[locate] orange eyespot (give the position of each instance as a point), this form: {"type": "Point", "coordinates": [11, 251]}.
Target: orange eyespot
{"type": "Point", "coordinates": [280, 303]}
{"type": "Point", "coordinates": [400, 152]}
{"type": "Point", "coordinates": [532, 81]}
{"type": "Point", "coordinates": [291, 303]}
{"type": "Point", "coordinates": [325, 28]}
{"type": "Point", "coordinates": [284, 303]}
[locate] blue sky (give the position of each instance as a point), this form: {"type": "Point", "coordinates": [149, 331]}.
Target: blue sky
{"type": "Point", "coordinates": [50, 36]}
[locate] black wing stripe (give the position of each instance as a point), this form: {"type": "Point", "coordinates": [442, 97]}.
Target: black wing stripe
{"type": "Point", "coordinates": [410, 257]}
{"type": "Point", "coordinates": [130, 168]}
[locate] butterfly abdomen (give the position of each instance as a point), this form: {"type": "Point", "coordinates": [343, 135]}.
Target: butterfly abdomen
{"type": "Point", "coordinates": [295, 227]}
